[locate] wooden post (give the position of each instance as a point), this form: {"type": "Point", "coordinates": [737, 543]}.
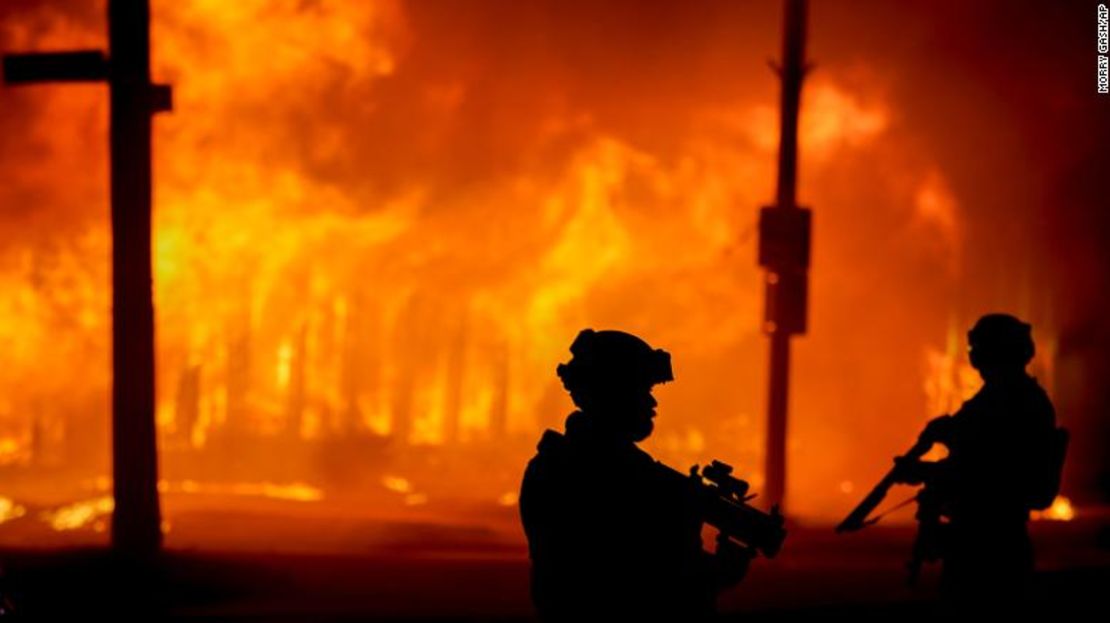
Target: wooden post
{"type": "Point", "coordinates": [136, 522]}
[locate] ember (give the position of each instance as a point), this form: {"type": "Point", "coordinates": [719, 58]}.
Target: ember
{"type": "Point", "coordinates": [78, 515]}
{"type": "Point", "coordinates": [10, 510]}
{"type": "Point", "coordinates": [1061, 510]}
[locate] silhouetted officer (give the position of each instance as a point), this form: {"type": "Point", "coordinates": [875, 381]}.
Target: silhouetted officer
{"type": "Point", "coordinates": [1004, 457]}
{"type": "Point", "coordinates": [610, 535]}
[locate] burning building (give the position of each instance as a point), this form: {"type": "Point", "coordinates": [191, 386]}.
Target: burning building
{"type": "Point", "coordinates": [379, 225]}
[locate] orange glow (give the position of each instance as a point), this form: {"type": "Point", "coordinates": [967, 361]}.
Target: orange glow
{"type": "Point", "coordinates": [834, 120]}
{"type": "Point", "coordinates": [9, 510]}
{"type": "Point", "coordinates": [78, 515]}
{"type": "Point", "coordinates": [296, 491]}
{"type": "Point", "coordinates": [935, 207]}
{"type": "Point", "coordinates": [397, 484]}
{"type": "Point", "coordinates": [949, 380]}
{"type": "Point", "coordinates": [361, 271]}
{"type": "Point", "coordinates": [1061, 510]}
{"type": "Point", "coordinates": [13, 450]}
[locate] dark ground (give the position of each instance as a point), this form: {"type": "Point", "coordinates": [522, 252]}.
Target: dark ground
{"type": "Point", "coordinates": [426, 571]}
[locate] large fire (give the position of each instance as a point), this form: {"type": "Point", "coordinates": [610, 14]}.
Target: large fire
{"type": "Point", "coordinates": [371, 252]}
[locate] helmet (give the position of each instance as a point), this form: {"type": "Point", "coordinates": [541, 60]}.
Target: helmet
{"type": "Point", "coordinates": [1000, 340]}
{"type": "Point", "coordinates": [613, 358]}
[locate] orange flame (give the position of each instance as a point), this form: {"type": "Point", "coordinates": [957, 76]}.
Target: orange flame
{"type": "Point", "coordinates": [302, 300]}
{"type": "Point", "coordinates": [1061, 510]}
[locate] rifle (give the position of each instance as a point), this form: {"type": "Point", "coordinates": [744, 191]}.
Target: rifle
{"type": "Point", "coordinates": [723, 503]}
{"type": "Point", "coordinates": [930, 500]}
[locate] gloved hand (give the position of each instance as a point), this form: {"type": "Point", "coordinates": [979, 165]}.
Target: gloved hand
{"type": "Point", "coordinates": [915, 472]}
{"type": "Point", "coordinates": [909, 471]}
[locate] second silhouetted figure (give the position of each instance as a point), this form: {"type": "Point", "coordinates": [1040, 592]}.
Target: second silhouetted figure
{"type": "Point", "coordinates": [1005, 456]}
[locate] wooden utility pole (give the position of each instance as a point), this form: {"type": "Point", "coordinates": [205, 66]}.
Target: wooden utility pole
{"type": "Point", "coordinates": [136, 522]}
{"type": "Point", "coordinates": [784, 244]}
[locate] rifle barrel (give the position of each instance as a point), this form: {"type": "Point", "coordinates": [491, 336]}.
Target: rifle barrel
{"type": "Point", "coordinates": [857, 519]}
